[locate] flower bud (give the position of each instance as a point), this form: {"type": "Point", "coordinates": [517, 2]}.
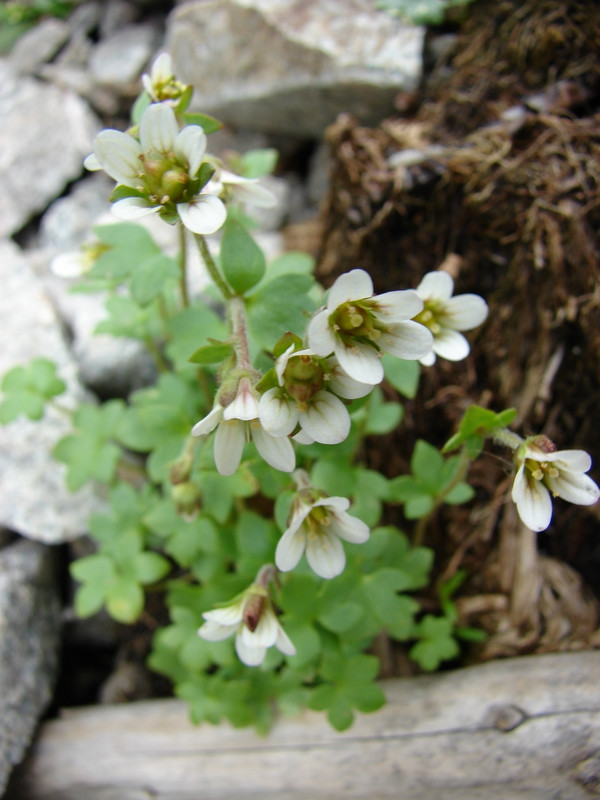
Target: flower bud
{"type": "Point", "coordinates": [186, 497]}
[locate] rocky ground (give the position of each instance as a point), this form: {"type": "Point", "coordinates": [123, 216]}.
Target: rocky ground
{"type": "Point", "coordinates": [276, 73]}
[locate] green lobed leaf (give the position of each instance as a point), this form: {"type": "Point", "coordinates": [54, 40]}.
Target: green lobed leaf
{"type": "Point", "coordinates": [403, 375]}
{"type": "Point", "coordinates": [280, 305]}
{"type": "Point", "coordinates": [205, 121]}
{"type": "Point", "coordinates": [242, 261]}
{"type": "Point", "coordinates": [211, 354]}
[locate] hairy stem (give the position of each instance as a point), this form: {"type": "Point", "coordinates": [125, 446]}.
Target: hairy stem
{"type": "Point", "coordinates": [183, 287]}
{"type": "Point", "coordinates": [211, 266]}
{"type": "Point", "coordinates": [239, 328]}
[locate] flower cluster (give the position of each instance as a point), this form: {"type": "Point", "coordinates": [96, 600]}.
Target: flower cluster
{"type": "Point", "coordinates": [545, 472]}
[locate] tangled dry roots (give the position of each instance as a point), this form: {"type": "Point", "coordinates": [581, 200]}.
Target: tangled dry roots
{"type": "Point", "coordinates": [497, 174]}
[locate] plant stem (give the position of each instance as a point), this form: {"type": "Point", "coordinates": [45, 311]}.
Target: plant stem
{"type": "Point", "coordinates": [158, 357]}
{"type": "Point", "coordinates": [507, 438]}
{"type": "Point", "coordinates": [211, 266]}
{"type": "Point", "coordinates": [461, 471]}
{"type": "Point", "coordinates": [237, 319]}
{"type": "Point", "coordinates": [183, 288]}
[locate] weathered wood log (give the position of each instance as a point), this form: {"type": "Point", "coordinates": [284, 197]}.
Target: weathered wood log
{"type": "Point", "coordinates": [520, 729]}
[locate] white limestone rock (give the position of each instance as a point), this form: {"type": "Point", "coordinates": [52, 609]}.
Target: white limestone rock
{"type": "Point", "coordinates": [34, 500]}
{"type": "Point", "coordinates": [291, 66]}
{"type": "Point", "coordinates": [46, 133]}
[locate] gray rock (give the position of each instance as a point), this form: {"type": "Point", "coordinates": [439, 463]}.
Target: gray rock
{"type": "Point", "coordinates": [85, 17]}
{"type": "Point", "coordinates": [119, 59]}
{"type": "Point", "coordinates": [291, 66]}
{"type": "Point", "coordinates": [33, 498]}
{"type": "Point", "coordinates": [68, 221]}
{"type": "Point", "coordinates": [45, 134]}
{"type": "Point", "coordinates": [39, 44]}
{"type": "Point", "coordinates": [30, 625]}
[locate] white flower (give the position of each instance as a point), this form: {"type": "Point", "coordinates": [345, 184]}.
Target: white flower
{"type": "Point", "coordinates": [545, 472]}
{"type": "Point", "coordinates": [356, 326]}
{"type": "Point", "coordinates": [161, 170]}
{"type": "Point", "coordinates": [317, 526]}
{"type": "Point", "coordinates": [445, 316]}
{"type": "Point", "coordinates": [161, 74]}
{"type": "Point", "coordinates": [244, 190]}
{"type": "Point", "coordinates": [302, 399]}
{"type": "Point", "coordinates": [253, 621]}
{"type": "Point", "coordinates": [235, 423]}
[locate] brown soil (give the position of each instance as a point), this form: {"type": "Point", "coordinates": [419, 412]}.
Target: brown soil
{"type": "Point", "coordinates": [504, 190]}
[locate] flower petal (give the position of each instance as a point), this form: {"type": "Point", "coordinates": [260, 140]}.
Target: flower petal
{"type": "Point", "coordinates": [349, 528]}
{"type": "Point", "coordinates": [277, 451]}
{"type": "Point", "coordinates": [326, 418]}
{"type": "Point", "coordinates": [428, 360]}
{"type": "Point", "coordinates": [290, 548]}
{"type": "Point", "coordinates": [158, 128]}
{"type": "Point", "coordinates": [91, 162]}
{"type": "Point", "coordinates": [284, 644]}
{"type": "Point", "coordinates": [436, 286]}
{"type": "Point", "coordinates": [321, 339]}
{"type": "Point", "coordinates": [119, 155]}
{"type": "Point", "coordinates": [277, 414]}
{"type": "Point", "coordinates": [343, 385]}
{"type": "Point", "coordinates": [244, 405]}
{"type": "Point", "coordinates": [265, 633]}
{"type": "Point", "coordinates": [408, 340]}
{"type": "Point", "coordinates": [229, 443]}
{"type": "Point", "coordinates": [251, 656]}
{"type": "Point", "coordinates": [571, 460]}
{"type": "Point", "coordinates": [325, 554]}
{"type": "Point", "coordinates": [334, 503]}
{"type": "Point", "coordinates": [249, 190]}
{"type": "Point", "coordinates": [190, 146]}
{"type": "Point", "coordinates": [532, 499]}
{"type": "Point", "coordinates": [397, 306]}
{"type": "Point", "coordinates": [361, 362]}
{"type": "Point", "coordinates": [133, 208]}
{"type": "Point", "coordinates": [574, 487]}
{"type": "Point", "coordinates": [229, 615]}
{"type": "Point", "coordinates": [208, 423]}
{"type": "Point", "coordinates": [353, 285]}
{"type": "Point", "coordinates": [451, 345]}
{"type": "Point", "coordinates": [213, 631]}
{"type": "Point", "coordinates": [204, 214]}
{"type": "Point", "coordinates": [464, 312]}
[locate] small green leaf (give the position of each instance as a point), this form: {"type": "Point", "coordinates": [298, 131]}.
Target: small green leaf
{"type": "Point", "coordinates": [403, 375]}
{"type": "Point", "coordinates": [258, 162]}
{"type": "Point", "coordinates": [242, 260]}
{"type": "Point", "coordinates": [280, 305]}
{"type": "Point", "coordinates": [211, 354]}
{"type": "Point", "coordinates": [124, 600]}
{"type": "Point", "coordinates": [150, 567]}
{"type": "Point", "coordinates": [207, 123]}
